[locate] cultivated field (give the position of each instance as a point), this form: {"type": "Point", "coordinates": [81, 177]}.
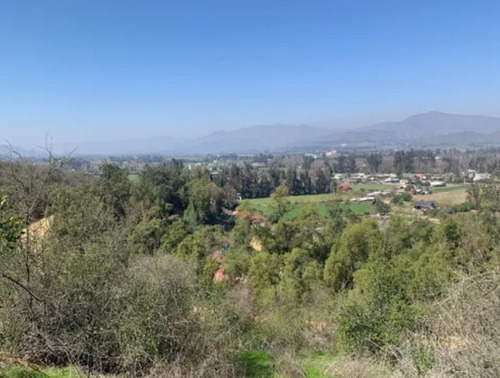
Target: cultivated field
{"type": "Point", "coordinates": [445, 198]}
{"type": "Point", "coordinates": [449, 188]}
{"type": "Point", "coordinates": [318, 203]}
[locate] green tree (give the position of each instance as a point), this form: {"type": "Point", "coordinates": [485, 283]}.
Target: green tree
{"type": "Point", "coordinates": [381, 207]}
{"type": "Point", "coordinates": [280, 204]}
{"type": "Point", "coordinates": [237, 263]}
{"type": "Point", "coordinates": [377, 313]}
{"type": "Point", "coordinates": [206, 201]}
{"type": "Point", "coordinates": [354, 246]}
{"type": "Point", "coordinates": [374, 160]}
{"type": "Point", "coordinates": [264, 274]}
{"type": "Point", "coordinates": [175, 234]}
{"type": "Point", "coordinates": [114, 187]}
{"type": "Point", "coordinates": [301, 273]}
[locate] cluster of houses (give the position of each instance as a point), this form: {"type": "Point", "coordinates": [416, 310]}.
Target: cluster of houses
{"type": "Point", "coordinates": [370, 197]}
{"type": "Point", "coordinates": [418, 184]}
{"type": "Point", "coordinates": [417, 179]}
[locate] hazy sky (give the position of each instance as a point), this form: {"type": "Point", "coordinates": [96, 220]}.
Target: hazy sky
{"type": "Point", "coordinates": [85, 70]}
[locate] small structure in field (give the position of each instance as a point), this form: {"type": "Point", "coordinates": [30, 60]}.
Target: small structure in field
{"type": "Point", "coordinates": [424, 205]}
{"type": "Point", "coordinates": [345, 188]}
{"type": "Point", "coordinates": [437, 184]}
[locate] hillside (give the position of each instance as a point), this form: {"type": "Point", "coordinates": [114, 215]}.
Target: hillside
{"type": "Point", "coordinates": [433, 128]}
{"type": "Point", "coordinates": [258, 138]}
{"type": "Point", "coordinates": [420, 130]}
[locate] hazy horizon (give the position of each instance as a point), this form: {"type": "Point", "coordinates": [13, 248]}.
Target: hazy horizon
{"type": "Point", "coordinates": [120, 70]}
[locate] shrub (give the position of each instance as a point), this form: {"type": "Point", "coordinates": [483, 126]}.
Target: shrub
{"type": "Point", "coordinates": [460, 336]}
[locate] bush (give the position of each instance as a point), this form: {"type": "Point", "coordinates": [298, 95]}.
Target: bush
{"type": "Point", "coordinates": [460, 336]}
{"type": "Point", "coordinates": [374, 325]}
{"type": "Point", "coordinates": [400, 199]}
{"type": "Point", "coordinates": [377, 313]}
{"type": "Point", "coordinates": [381, 207]}
{"type": "Point", "coordinates": [462, 207]}
{"type": "Point", "coordinates": [99, 313]}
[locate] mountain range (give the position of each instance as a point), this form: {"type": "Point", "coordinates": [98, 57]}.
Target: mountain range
{"type": "Point", "coordinates": [432, 129]}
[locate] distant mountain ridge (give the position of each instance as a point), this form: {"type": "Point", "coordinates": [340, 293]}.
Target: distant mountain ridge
{"type": "Point", "coordinates": [441, 123]}
{"type": "Point", "coordinates": [258, 139]}
{"type": "Point", "coordinates": [427, 129]}
{"type": "Point", "coordinates": [432, 129]}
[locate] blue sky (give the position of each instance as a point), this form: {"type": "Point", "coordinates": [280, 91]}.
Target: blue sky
{"type": "Point", "coordinates": [83, 70]}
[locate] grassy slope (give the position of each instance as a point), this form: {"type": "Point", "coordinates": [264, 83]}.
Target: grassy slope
{"type": "Point", "coordinates": [16, 371]}
{"type": "Point", "coordinates": [319, 364]}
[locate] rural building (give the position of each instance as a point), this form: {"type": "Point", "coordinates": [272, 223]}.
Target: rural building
{"type": "Point", "coordinates": [436, 184]}
{"type": "Point", "coordinates": [481, 176]}
{"type": "Point", "coordinates": [424, 205]}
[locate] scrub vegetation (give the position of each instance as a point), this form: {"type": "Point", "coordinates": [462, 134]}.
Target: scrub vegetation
{"type": "Point", "coordinates": [170, 275]}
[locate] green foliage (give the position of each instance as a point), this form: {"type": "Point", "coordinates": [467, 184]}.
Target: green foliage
{"type": "Point", "coordinates": [381, 207]}
{"type": "Point", "coordinates": [242, 231]}
{"type": "Point", "coordinates": [16, 371]}
{"type": "Point", "coordinates": [423, 359]}
{"type": "Point", "coordinates": [374, 160]}
{"type": "Point", "coordinates": [264, 274]}
{"type": "Point", "coordinates": [114, 188]}
{"type": "Point", "coordinates": [278, 238]}
{"type": "Point", "coordinates": [175, 234]}
{"type": "Point", "coordinates": [462, 208]}
{"type": "Point", "coordinates": [430, 273]}
{"type": "Point", "coordinates": [79, 215]}
{"type": "Point", "coordinates": [147, 235]}
{"type": "Point", "coordinates": [377, 314]}
{"type": "Point", "coordinates": [199, 209]}
{"type": "Point", "coordinates": [123, 281]}
{"type": "Point", "coordinates": [204, 241]}
{"type": "Point", "coordinates": [405, 232]}
{"type": "Point", "coordinates": [256, 364]}
{"type": "Point", "coordinates": [489, 197]}
{"type": "Point", "coordinates": [160, 191]}
{"type": "Point", "coordinates": [279, 203]}
{"type": "Point", "coordinates": [300, 275]}
{"type": "Point", "coordinates": [210, 266]}
{"type": "Point", "coordinates": [10, 228]}
{"type": "Point", "coordinates": [352, 249]}
{"type": "Point", "coordinates": [237, 263]}
{"type": "Point", "coordinates": [400, 199]}
{"type": "Point", "coordinates": [474, 195]}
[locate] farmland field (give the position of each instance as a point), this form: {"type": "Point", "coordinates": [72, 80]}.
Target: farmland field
{"type": "Point", "coordinates": [316, 202]}
{"type": "Point", "coordinates": [445, 198]}
{"type": "Point", "coordinates": [320, 208]}
{"type": "Point", "coordinates": [449, 188]}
